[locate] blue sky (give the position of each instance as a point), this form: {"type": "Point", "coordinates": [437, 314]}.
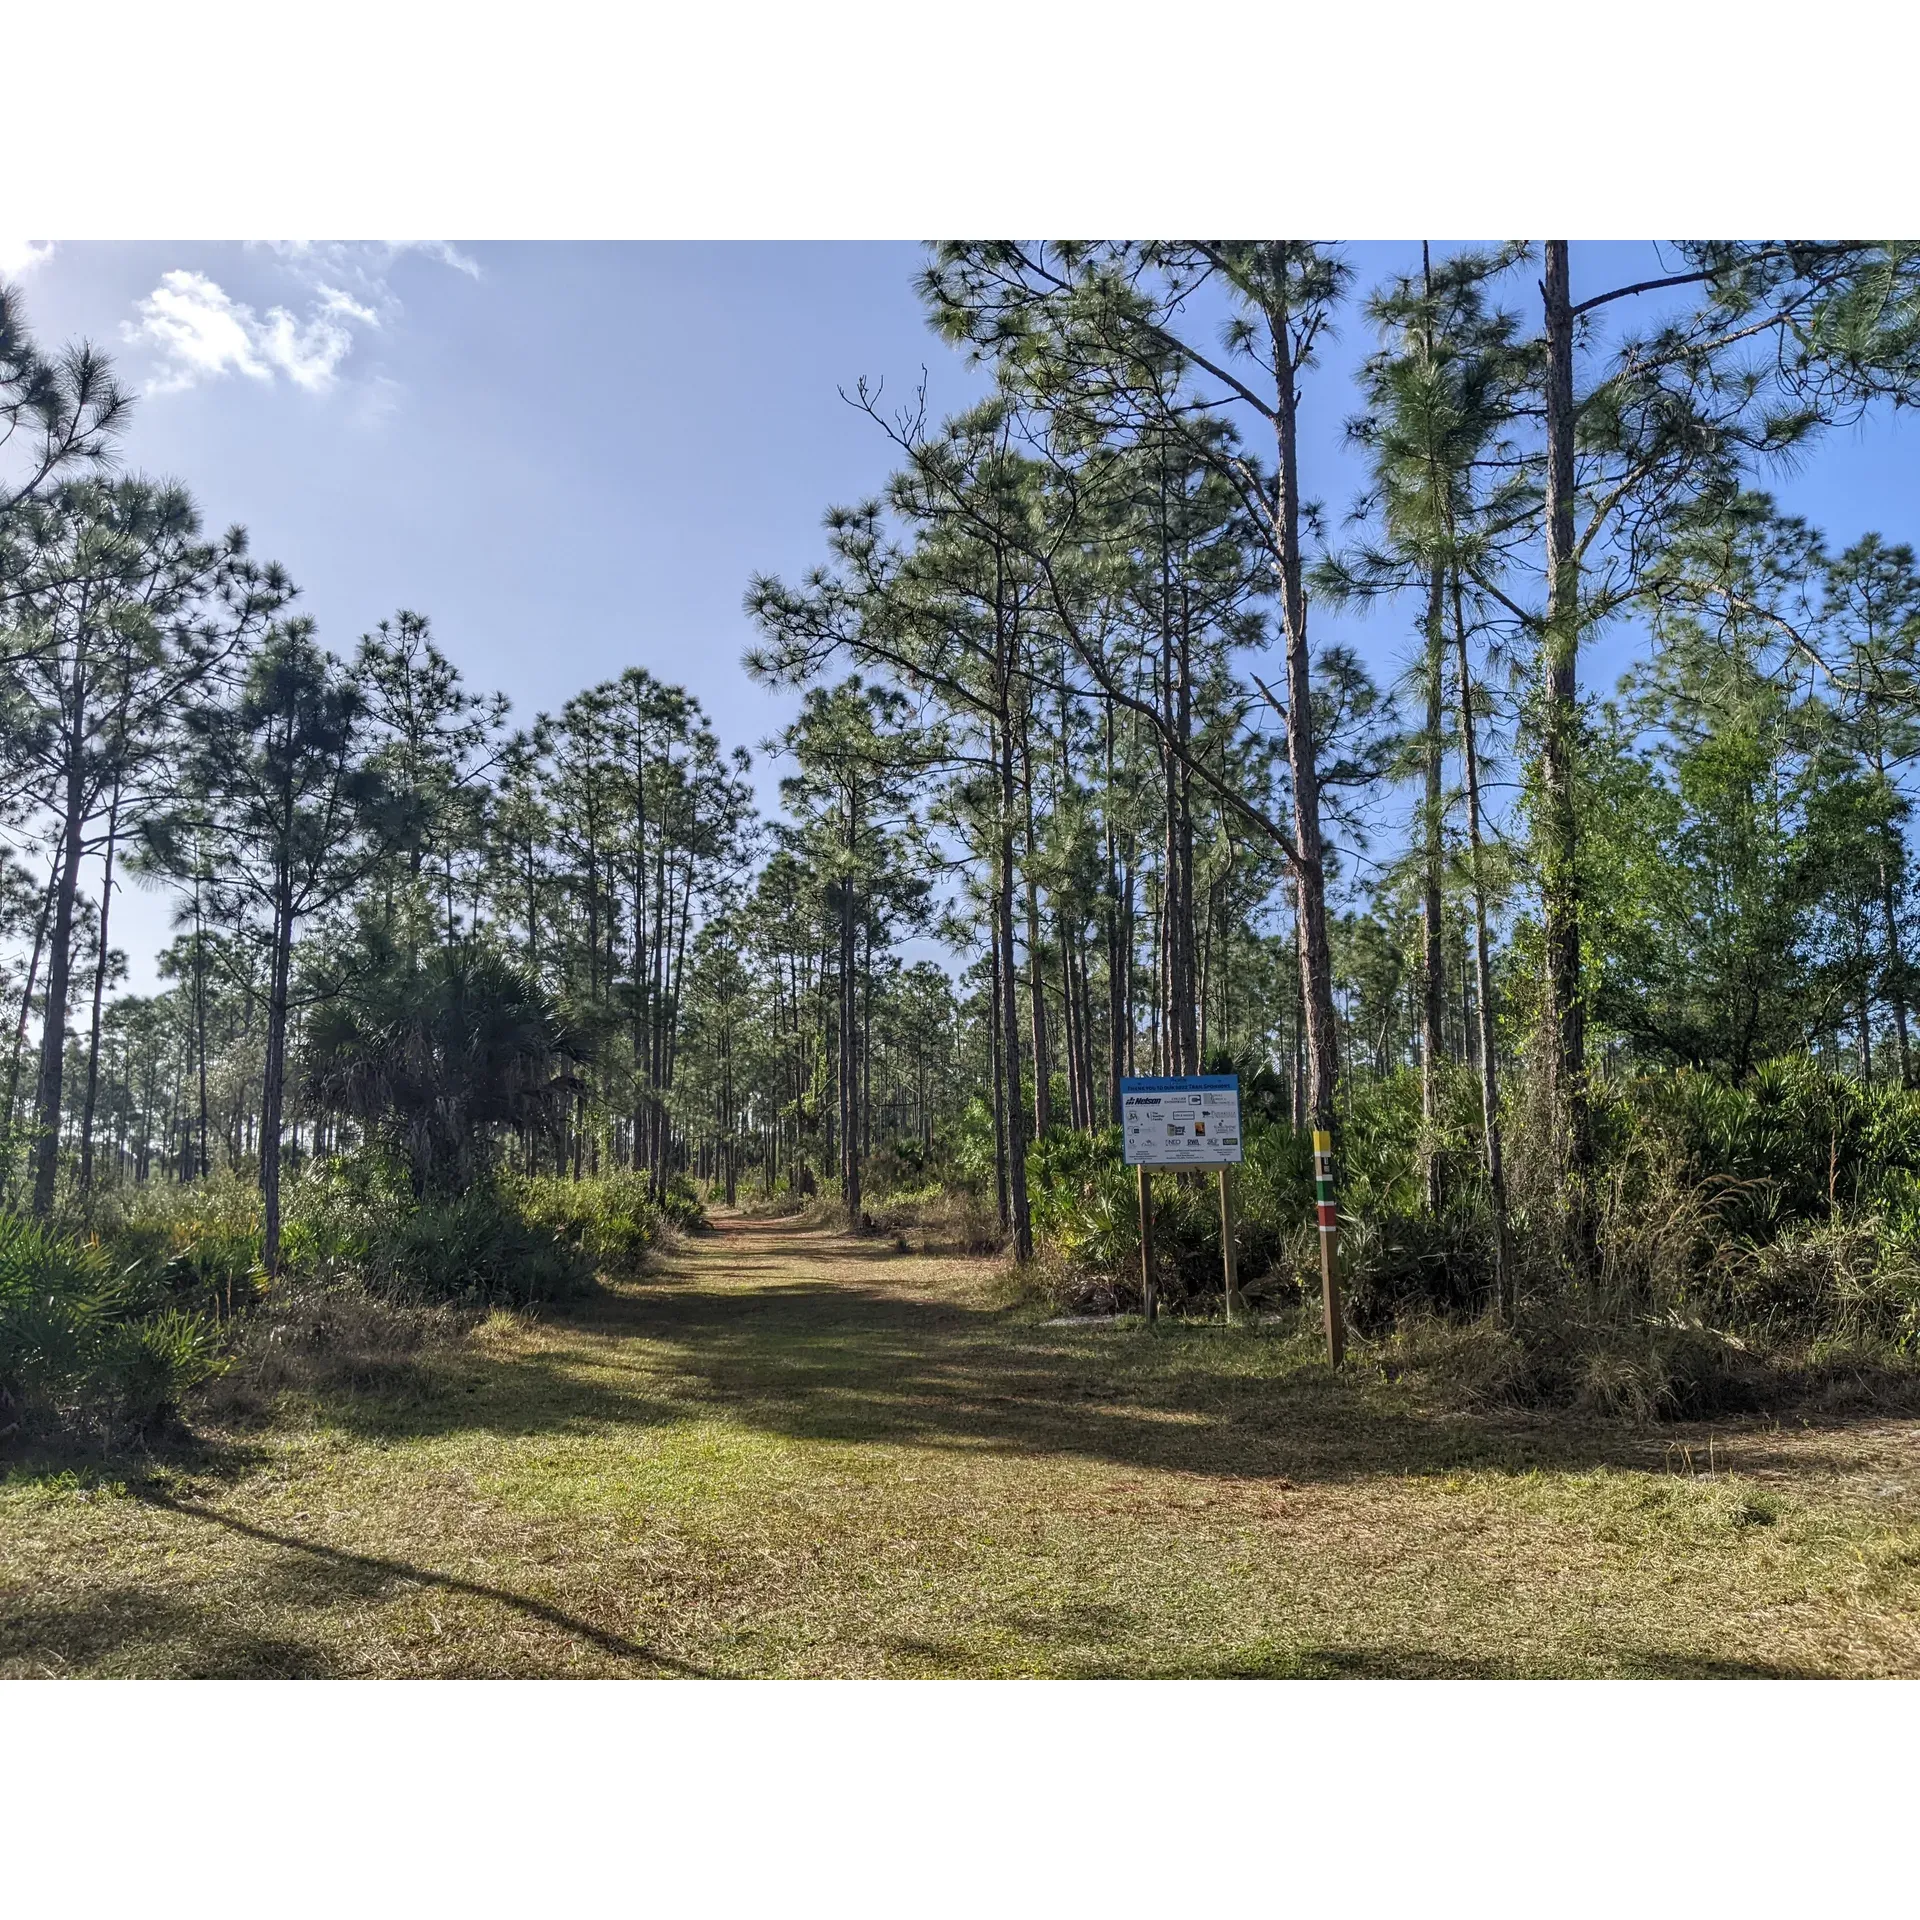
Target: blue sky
{"type": "Point", "coordinates": [572, 457]}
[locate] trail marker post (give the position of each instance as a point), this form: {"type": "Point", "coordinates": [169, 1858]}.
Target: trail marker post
{"type": "Point", "coordinates": [1329, 1215]}
{"type": "Point", "coordinates": [1192, 1120]}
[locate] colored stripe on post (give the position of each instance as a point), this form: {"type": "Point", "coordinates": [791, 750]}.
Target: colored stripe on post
{"type": "Point", "coordinates": [1325, 1208]}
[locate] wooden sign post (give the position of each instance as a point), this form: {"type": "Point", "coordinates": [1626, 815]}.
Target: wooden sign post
{"type": "Point", "coordinates": [1149, 1288]}
{"type": "Point", "coordinates": [1229, 1251]}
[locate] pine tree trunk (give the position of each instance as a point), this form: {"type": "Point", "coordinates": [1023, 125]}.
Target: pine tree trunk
{"type": "Point", "coordinates": [997, 1046]}
{"type": "Point", "coordinates": [1503, 1277]}
{"type": "Point", "coordinates": [20, 1027]}
{"type": "Point", "coordinates": [53, 1033]}
{"type": "Point", "coordinates": [1010, 1013]}
{"type": "Point", "coordinates": [273, 1091]}
{"type": "Point", "coordinates": [1186, 973]}
{"type": "Point", "coordinates": [1433, 987]}
{"type": "Point", "coordinates": [849, 1012]}
{"type": "Point", "coordinates": [99, 993]}
{"type": "Point", "coordinates": [1896, 972]}
{"type": "Point", "coordinates": [200, 1022]}
{"type": "Point", "coordinates": [1316, 953]}
{"type": "Point", "coordinates": [1157, 1012]}
{"type": "Point", "coordinates": [866, 1048]}
{"type": "Point", "coordinates": [1176, 968]}
{"type": "Point", "coordinates": [1080, 984]}
{"type": "Point", "coordinates": [1299, 1035]}
{"type": "Point", "coordinates": [1565, 1013]}
{"type": "Point", "coordinates": [638, 1019]}
{"type": "Point", "coordinates": [1038, 1023]}
{"type": "Point", "coordinates": [1118, 965]}
{"type": "Point", "coordinates": [1036, 970]}
{"type": "Point", "coordinates": [1864, 1029]}
{"type": "Point", "coordinates": [1090, 1076]}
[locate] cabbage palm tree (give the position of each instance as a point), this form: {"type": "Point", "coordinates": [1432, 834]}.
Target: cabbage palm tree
{"type": "Point", "coordinates": [440, 1063]}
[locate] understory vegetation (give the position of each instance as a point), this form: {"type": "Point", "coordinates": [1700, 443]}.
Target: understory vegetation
{"type": "Point", "coordinates": [1759, 1245]}
{"type": "Point", "coordinates": [108, 1326]}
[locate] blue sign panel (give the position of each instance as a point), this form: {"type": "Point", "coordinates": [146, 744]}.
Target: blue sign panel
{"type": "Point", "coordinates": [1190, 1120]}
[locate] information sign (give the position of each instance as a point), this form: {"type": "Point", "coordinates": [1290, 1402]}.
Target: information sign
{"type": "Point", "coordinates": [1191, 1121]}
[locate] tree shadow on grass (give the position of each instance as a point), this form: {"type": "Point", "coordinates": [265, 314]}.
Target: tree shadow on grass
{"type": "Point", "coordinates": [334, 1573]}
{"type": "Point", "coordinates": [1268, 1661]}
{"type": "Point", "coordinates": [509, 1395]}
{"type": "Point", "coordinates": [106, 1463]}
{"type": "Point", "coordinates": [1645, 1664]}
{"type": "Point", "coordinates": [111, 1626]}
{"type": "Point", "coordinates": [840, 1361]}
{"type": "Point", "coordinates": [1264, 1662]}
{"type": "Point", "coordinates": [54, 1637]}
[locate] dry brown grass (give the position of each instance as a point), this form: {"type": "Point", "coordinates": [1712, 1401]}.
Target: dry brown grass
{"type": "Point", "coordinates": [793, 1453]}
{"type": "Point", "coordinates": [312, 1345]}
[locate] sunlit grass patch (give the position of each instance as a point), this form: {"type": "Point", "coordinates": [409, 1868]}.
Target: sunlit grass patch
{"type": "Point", "coordinates": [681, 1469]}
{"type": "Point", "coordinates": [24, 1488]}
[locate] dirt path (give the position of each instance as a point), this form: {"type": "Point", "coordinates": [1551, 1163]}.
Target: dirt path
{"type": "Point", "coordinates": [787, 1453]}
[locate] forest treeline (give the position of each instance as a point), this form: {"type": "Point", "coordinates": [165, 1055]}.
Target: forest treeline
{"type": "Point", "coordinates": [1061, 718]}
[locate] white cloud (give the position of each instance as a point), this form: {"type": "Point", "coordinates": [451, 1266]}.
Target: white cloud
{"type": "Point", "coordinates": [364, 265]}
{"type": "Point", "coordinates": [18, 258]}
{"type": "Point", "coordinates": [446, 253]}
{"type": "Point", "coordinates": [201, 332]}
{"type": "Point", "coordinates": [345, 306]}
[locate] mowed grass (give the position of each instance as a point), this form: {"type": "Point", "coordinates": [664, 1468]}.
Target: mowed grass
{"type": "Point", "coordinates": [791, 1454]}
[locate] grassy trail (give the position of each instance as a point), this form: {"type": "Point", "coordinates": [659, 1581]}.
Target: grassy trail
{"type": "Point", "coordinates": [787, 1454]}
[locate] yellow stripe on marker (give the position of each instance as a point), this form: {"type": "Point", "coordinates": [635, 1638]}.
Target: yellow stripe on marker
{"type": "Point", "coordinates": [1322, 1142]}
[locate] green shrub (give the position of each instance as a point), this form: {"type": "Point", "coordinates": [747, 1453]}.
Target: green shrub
{"type": "Point", "coordinates": [1399, 1263]}
{"type": "Point", "coordinates": [153, 1363]}
{"type": "Point", "coordinates": [119, 1320]}
{"type": "Point", "coordinates": [510, 1241]}
{"type": "Point", "coordinates": [1794, 1143]}
{"type": "Point", "coordinates": [1786, 1210]}
{"type": "Point", "coordinates": [614, 1221]}
{"type": "Point", "coordinates": [198, 1246]}
{"type": "Point", "coordinates": [900, 1167]}
{"type": "Point", "coordinates": [970, 1146]}
{"type": "Point", "coordinates": [479, 1248]}
{"type": "Point", "coordinates": [80, 1336]}
{"type": "Point", "coordinates": [942, 1219]}
{"type": "Point", "coordinates": [55, 1297]}
{"type": "Point", "coordinates": [681, 1204]}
